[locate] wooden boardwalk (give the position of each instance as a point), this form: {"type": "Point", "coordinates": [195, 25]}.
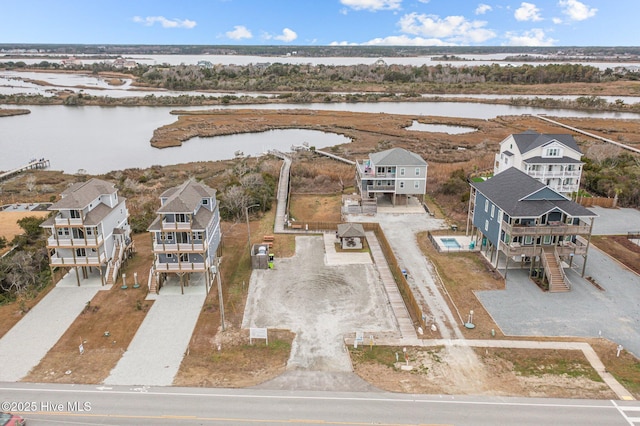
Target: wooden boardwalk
{"type": "Point", "coordinates": [33, 164]}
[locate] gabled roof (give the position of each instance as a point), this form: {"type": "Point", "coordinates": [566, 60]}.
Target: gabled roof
{"type": "Point", "coordinates": [186, 197]}
{"type": "Point", "coordinates": [396, 157]}
{"type": "Point", "coordinates": [348, 230]}
{"type": "Point", "coordinates": [519, 195]}
{"type": "Point", "coordinates": [528, 141]}
{"type": "Point", "coordinates": [80, 194]}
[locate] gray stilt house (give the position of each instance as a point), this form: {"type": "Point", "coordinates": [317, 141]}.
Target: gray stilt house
{"type": "Point", "coordinates": [514, 215]}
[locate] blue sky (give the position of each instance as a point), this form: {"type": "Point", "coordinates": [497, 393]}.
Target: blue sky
{"type": "Point", "coordinates": [323, 22]}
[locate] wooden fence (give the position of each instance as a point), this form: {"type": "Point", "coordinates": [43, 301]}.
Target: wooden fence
{"type": "Point", "coordinates": [605, 202]}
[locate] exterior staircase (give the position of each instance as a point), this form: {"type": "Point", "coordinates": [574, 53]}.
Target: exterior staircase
{"type": "Point", "coordinates": [553, 272]}
{"type": "Point", "coordinates": [153, 284]}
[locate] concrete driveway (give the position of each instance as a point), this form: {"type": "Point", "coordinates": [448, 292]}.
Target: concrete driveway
{"type": "Point", "coordinates": [320, 303]}
{"type": "Point", "coordinates": [522, 309]}
{"type": "Point", "coordinates": [27, 342]}
{"type": "Point", "coordinates": [615, 221]}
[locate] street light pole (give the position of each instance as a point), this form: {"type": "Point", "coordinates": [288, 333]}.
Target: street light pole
{"type": "Point", "coordinates": [246, 211]}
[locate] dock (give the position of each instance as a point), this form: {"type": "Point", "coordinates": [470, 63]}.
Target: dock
{"type": "Point", "coordinates": [40, 164]}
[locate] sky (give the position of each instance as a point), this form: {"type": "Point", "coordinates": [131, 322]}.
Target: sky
{"type": "Point", "coordinates": [323, 22]}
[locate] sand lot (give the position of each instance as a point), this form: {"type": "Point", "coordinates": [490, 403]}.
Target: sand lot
{"type": "Point", "coordinates": [320, 304]}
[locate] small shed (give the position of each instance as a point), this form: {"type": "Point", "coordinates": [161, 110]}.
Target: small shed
{"type": "Point", "coordinates": [351, 235]}
{"type": "Point", "coordinates": [260, 256]}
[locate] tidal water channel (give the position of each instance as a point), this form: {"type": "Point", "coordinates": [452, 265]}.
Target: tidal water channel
{"type": "Point", "coordinates": [101, 139]}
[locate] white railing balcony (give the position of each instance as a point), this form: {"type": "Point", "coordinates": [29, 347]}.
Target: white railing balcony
{"type": "Point", "coordinates": [381, 188]}
{"type": "Point", "coordinates": [67, 221]}
{"type": "Point", "coordinates": [178, 247]}
{"type": "Point", "coordinates": [179, 267]}
{"type": "Point", "coordinates": [175, 225]}
{"type": "Point", "coordinates": [90, 241]}
{"type": "Point", "coordinates": [77, 261]}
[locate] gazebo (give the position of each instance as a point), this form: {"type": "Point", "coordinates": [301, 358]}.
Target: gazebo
{"type": "Point", "coordinates": [351, 235]}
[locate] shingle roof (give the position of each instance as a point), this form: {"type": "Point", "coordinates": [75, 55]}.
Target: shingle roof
{"type": "Point", "coordinates": [186, 197]}
{"type": "Point", "coordinates": [80, 194]}
{"type": "Point", "coordinates": [509, 191]}
{"type": "Point", "coordinates": [531, 140]}
{"type": "Point", "coordinates": [348, 230]}
{"type": "Point", "coordinates": [396, 157]}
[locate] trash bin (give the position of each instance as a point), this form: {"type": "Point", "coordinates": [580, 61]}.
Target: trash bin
{"type": "Point", "coordinates": [404, 273]}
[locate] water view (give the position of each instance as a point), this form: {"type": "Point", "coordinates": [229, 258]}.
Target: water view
{"type": "Point", "coordinates": [101, 139]}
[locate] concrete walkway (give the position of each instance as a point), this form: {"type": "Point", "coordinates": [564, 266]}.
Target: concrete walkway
{"type": "Point", "coordinates": [27, 342]}
{"type": "Point", "coordinates": [156, 351]}
{"type": "Point", "coordinates": [397, 303]}
{"type": "Point", "coordinates": [332, 257]}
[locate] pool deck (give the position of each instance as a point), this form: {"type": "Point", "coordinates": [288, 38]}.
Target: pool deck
{"type": "Point", "coordinates": [463, 241]}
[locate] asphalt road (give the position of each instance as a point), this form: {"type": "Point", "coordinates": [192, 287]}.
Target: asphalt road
{"type": "Point", "coordinates": [101, 405]}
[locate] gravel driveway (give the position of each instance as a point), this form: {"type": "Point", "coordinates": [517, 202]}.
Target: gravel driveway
{"type": "Point", "coordinates": [320, 303]}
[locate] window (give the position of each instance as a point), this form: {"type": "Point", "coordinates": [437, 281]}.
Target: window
{"type": "Point", "coordinates": [493, 210]}
{"type": "Point", "coordinates": [417, 171]}
{"type": "Point", "coordinates": [75, 214]}
{"type": "Point", "coordinates": [169, 255]}
{"type": "Point", "coordinates": [205, 201]}
{"type": "Point", "coordinates": [546, 239]}
{"type": "Point", "coordinates": [80, 252]}
{"type": "Point", "coordinates": [402, 171]}
{"type": "Point", "coordinates": [89, 231]}
{"type": "Point", "coordinates": [181, 217]}
{"type": "Point", "coordinates": [486, 225]}
{"type": "Point", "coordinates": [170, 237]}
{"type": "Point", "coordinates": [184, 257]}
{"type": "Point", "coordinates": [402, 184]}
{"type": "Point", "coordinates": [528, 239]}
{"type": "Point", "coordinates": [416, 185]}
{"type": "Point", "coordinates": [553, 152]}
{"type": "Point", "coordinates": [486, 205]}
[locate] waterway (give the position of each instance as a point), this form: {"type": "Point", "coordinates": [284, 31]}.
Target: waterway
{"type": "Point", "coordinates": [101, 139]}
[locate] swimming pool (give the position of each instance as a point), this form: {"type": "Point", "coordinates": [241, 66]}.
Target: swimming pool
{"type": "Point", "coordinates": [450, 243]}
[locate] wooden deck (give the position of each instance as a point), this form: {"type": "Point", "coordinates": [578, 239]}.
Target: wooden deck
{"type": "Point", "coordinates": [33, 164]}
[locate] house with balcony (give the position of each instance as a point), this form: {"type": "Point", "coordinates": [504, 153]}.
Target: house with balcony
{"type": "Point", "coordinates": [395, 173]}
{"type": "Point", "coordinates": [529, 224]}
{"type": "Point", "coordinates": [90, 229]}
{"type": "Point", "coordinates": [185, 234]}
{"type": "Point", "coordinates": [553, 159]}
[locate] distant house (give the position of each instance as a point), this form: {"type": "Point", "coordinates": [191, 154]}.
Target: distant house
{"type": "Point", "coordinates": [553, 159]}
{"type": "Point", "coordinates": [526, 221]}
{"type": "Point", "coordinates": [395, 173]}
{"type": "Point", "coordinates": [186, 234]}
{"type": "Point", "coordinates": [89, 230]}
{"type": "Point", "coordinates": [124, 63]}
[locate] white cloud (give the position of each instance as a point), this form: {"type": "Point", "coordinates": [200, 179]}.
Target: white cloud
{"type": "Point", "coordinates": [527, 12]}
{"type": "Point", "coordinates": [372, 5]}
{"type": "Point", "coordinates": [576, 10]}
{"type": "Point", "coordinates": [239, 32]}
{"type": "Point", "coordinates": [556, 20]}
{"type": "Point", "coordinates": [534, 37]}
{"type": "Point", "coordinates": [457, 29]}
{"type": "Point", "coordinates": [166, 23]}
{"type": "Point", "coordinates": [483, 8]}
{"type": "Point", "coordinates": [287, 35]}
{"type": "Point", "coordinates": [401, 40]}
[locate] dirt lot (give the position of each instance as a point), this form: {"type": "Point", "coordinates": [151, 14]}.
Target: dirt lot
{"type": "Point", "coordinates": [621, 249]}
{"type": "Point", "coordinates": [504, 372]}
{"type": "Point", "coordinates": [9, 227]}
